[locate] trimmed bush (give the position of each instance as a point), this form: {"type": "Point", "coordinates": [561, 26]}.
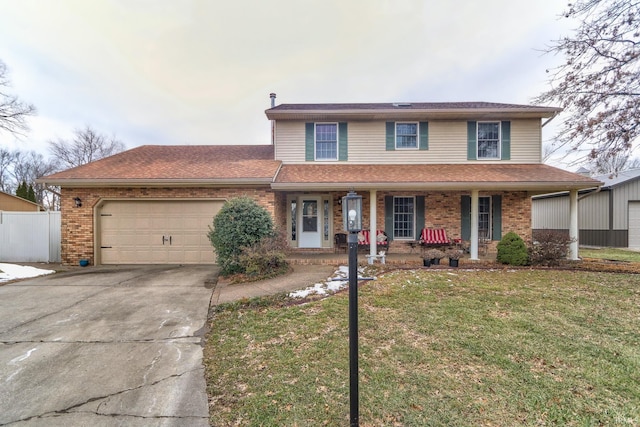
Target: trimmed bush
{"type": "Point", "coordinates": [549, 247]}
{"type": "Point", "coordinates": [240, 223]}
{"type": "Point", "coordinates": [512, 250]}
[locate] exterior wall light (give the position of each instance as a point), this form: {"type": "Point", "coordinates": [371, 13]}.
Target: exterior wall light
{"type": "Point", "coordinates": [77, 201]}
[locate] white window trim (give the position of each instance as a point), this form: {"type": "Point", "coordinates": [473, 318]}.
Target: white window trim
{"type": "Point", "coordinates": [414, 219]}
{"type": "Point", "coordinates": [499, 151]}
{"type": "Point", "coordinates": [490, 213]}
{"type": "Point", "coordinates": [315, 141]}
{"type": "Point", "coordinates": [395, 136]}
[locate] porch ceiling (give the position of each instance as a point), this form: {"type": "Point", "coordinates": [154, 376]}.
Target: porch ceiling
{"type": "Point", "coordinates": [535, 178]}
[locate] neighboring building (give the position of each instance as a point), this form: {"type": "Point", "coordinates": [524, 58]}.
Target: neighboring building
{"type": "Point", "coordinates": [608, 216]}
{"type": "Point", "coordinates": [415, 164]}
{"type": "Point", "coordinates": [9, 202]}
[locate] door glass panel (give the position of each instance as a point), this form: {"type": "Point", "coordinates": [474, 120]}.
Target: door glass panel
{"type": "Point", "coordinates": [326, 220]}
{"type": "Point", "coordinates": [310, 215]}
{"type": "Point", "coordinates": [294, 219]}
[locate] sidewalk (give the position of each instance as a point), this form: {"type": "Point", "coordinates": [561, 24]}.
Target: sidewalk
{"type": "Point", "coordinates": [301, 277]}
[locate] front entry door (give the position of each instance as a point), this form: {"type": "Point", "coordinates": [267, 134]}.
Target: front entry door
{"type": "Point", "coordinates": [310, 223]}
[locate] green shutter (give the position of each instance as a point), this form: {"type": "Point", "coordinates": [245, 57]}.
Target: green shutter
{"type": "Point", "coordinates": [343, 151]}
{"type": "Point", "coordinates": [472, 144]}
{"type": "Point", "coordinates": [419, 215]}
{"type": "Point", "coordinates": [496, 217]}
{"type": "Point", "coordinates": [505, 152]}
{"type": "Point", "coordinates": [309, 142]}
{"type": "Point", "coordinates": [424, 135]}
{"type": "Point", "coordinates": [391, 136]}
{"type": "Point", "coordinates": [388, 216]}
{"type": "Point", "coordinates": [465, 217]}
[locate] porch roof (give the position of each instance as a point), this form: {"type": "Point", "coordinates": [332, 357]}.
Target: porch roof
{"type": "Point", "coordinates": [534, 178]}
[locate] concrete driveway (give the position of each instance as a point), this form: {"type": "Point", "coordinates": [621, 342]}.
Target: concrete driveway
{"type": "Point", "coordinates": [105, 346]}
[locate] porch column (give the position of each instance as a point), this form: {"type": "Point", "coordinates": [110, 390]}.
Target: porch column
{"type": "Point", "coordinates": [473, 250]}
{"type": "Point", "coordinates": [573, 225]}
{"type": "Point", "coordinates": [373, 220]}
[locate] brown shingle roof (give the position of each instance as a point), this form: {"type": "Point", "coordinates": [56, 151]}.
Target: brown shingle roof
{"type": "Point", "coordinates": [229, 163]}
{"type": "Point", "coordinates": [530, 177]}
{"type": "Point", "coordinates": [408, 110]}
{"type": "Point", "coordinates": [408, 106]}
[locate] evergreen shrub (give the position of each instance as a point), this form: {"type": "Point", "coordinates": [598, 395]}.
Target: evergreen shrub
{"type": "Point", "coordinates": [512, 250]}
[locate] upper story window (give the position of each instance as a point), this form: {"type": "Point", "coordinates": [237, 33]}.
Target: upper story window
{"type": "Point", "coordinates": [406, 135]}
{"type": "Point", "coordinates": [488, 140]}
{"type": "Point", "coordinates": [326, 141]}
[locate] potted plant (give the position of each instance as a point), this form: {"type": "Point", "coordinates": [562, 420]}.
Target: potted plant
{"type": "Point", "coordinates": [454, 257]}
{"type": "Point", "coordinates": [435, 255]}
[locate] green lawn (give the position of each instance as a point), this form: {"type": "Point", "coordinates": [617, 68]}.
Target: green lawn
{"type": "Point", "coordinates": [610, 254]}
{"type": "Point", "coordinates": [438, 348]}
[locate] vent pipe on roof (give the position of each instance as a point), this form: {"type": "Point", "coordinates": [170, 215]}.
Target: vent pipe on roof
{"type": "Point", "coordinates": [273, 123]}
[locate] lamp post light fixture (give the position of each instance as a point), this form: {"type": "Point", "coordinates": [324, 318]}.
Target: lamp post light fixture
{"type": "Point", "coordinates": [352, 217]}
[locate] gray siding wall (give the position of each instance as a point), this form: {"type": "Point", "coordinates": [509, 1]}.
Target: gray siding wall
{"type": "Point", "coordinates": [551, 213]}
{"type": "Point", "coordinates": [629, 191]}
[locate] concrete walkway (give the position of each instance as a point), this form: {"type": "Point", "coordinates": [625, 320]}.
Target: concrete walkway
{"type": "Point", "coordinates": [105, 346]}
{"type": "Point", "coordinates": [301, 277]}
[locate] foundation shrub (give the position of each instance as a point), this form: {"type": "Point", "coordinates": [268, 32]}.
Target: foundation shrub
{"type": "Point", "coordinates": [241, 223]}
{"type": "Point", "coordinates": [512, 250]}
{"type": "Point", "coordinates": [549, 247]}
{"type": "Point", "coordinates": [265, 258]}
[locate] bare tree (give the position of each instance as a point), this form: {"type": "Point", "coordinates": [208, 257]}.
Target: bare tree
{"type": "Point", "coordinates": [612, 164]}
{"type": "Point", "coordinates": [86, 146]}
{"type": "Point", "coordinates": [29, 166]}
{"type": "Point", "coordinates": [598, 85]}
{"type": "Point", "coordinates": [6, 169]}
{"type": "Point", "coordinates": [13, 112]}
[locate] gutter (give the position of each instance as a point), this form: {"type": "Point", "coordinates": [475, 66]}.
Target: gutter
{"type": "Point", "coordinates": [553, 116]}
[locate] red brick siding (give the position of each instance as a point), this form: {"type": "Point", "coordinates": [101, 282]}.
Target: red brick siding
{"type": "Point", "coordinates": [78, 223]}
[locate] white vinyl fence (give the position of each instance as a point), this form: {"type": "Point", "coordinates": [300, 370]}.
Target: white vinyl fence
{"type": "Point", "coordinates": [29, 236]}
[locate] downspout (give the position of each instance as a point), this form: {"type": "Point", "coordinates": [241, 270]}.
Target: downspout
{"type": "Point", "coordinates": [550, 118]}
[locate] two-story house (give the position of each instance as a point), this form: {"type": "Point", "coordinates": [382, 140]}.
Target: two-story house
{"type": "Point", "coordinates": [470, 168]}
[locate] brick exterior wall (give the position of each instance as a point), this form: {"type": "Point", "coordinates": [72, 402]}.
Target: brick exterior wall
{"type": "Point", "coordinates": [442, 210]}
{"type": "Point", "coordinates": [78, 234]}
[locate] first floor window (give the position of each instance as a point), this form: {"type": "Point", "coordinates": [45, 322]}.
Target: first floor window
{"type": "Point", "coordinates": [484, 217]}
{"type": "Point", "coordinates": [406, 135]}
{"type": "Point", "coordinates": [488, 140]}
{"type": "Point", "coordinates": [403, 217]}
{"type": "Point", "coordinates": [326, 141]}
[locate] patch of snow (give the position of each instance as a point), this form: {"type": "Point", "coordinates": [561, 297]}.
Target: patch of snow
{"type": "Point", "coordinates": [14, 271]}
{"type": "Point", "coordinates": [332, 285]}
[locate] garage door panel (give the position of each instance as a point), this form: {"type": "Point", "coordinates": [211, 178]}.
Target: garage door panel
{"type": "Point", "coordinates": [131, 232]}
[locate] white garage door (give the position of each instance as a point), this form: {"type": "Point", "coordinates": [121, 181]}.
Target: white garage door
{"type": "Point", "coordinates": [156, 232]}
{"type": "Point", "coordinates": [634, 225]}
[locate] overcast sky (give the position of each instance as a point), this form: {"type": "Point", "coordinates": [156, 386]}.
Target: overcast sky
{"type": "Point", "coordinates": [200, 71]}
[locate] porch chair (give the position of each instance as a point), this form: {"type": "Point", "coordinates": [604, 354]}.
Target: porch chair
{"type": "Point", "coordinates": [363, 240]}
{"type": "Point", "coordinates": [483, 242]}
{"type": "Point", "coordinates": [382, 241]}
{"type": "Point", "coordinates": [433, 238]}
{"type": "Point", "coordinates": [340, 242]}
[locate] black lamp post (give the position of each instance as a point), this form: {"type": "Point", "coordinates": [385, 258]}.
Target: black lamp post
{"type": "Point", "coordinates": [352, 217]}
